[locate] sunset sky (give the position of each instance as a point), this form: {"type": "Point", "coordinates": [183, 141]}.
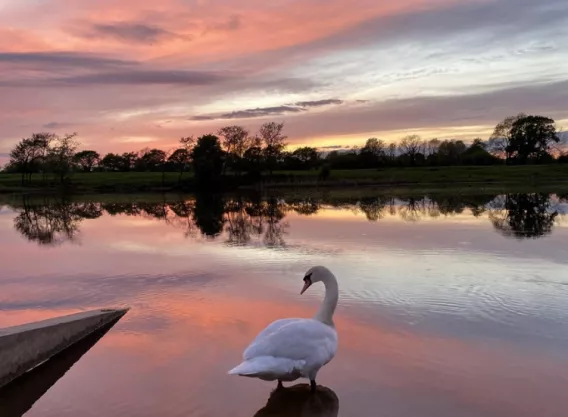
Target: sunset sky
{"type": "Point", "coordinates": [127, 74]}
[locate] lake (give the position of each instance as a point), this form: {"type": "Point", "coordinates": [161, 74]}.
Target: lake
{"type": "Point", "coordinates": [450, 304]}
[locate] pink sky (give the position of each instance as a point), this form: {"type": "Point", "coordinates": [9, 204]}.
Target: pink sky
{"type": "Point", "coordinates": [129, 74]}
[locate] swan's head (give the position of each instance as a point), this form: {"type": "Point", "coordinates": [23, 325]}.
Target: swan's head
{"type": "Point", "coordinates": [316, 274]}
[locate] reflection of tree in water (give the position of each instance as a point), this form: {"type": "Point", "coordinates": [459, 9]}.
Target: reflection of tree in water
{"type": "Point", "coordinates": [374, 207]}
{"type": "Point", "coordinates": [243, 219]}
{"type": "Point", "coordinates": [208, 214]}
{"type": "Point", "coordinates": [54, 221]}
{"type": "Point", "coordinates": [523, 215]}
{"type": "Point", "coordinates": [275, 228]}
{"type": "Point", "coordinates": [246, 218]}
{"type": "Point", "coordinates": [412, 208]}
{"type": "Point", "coordinates": [305, 207]}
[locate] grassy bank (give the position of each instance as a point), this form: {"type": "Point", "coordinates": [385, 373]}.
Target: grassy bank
{"type": "Point", "coordinates": [419, 178]}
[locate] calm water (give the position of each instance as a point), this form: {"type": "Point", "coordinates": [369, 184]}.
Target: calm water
{"type": "Point", "coordinates": [450, 306]}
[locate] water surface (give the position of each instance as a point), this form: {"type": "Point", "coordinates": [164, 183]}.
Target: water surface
{"type": "Point", "coordinates": [450, 305]}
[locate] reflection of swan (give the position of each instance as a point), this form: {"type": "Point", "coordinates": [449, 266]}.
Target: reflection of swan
{"type": "Point", "coordinates": [289, 349]}
{"type": "Point", "coordinates": [299, 401]}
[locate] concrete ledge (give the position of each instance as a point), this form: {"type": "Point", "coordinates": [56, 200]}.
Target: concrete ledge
{"type": "Point", "coordinates": [22, 348]}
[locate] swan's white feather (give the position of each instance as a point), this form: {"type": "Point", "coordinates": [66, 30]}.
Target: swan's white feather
{"type": "Point", "coordinates": [289, 349]}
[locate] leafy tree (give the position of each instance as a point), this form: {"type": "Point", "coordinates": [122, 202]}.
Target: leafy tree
{"type": "Point", "coordinates": [151, 160]}
{"type": "Point", "coordinates": [128, 161]}
{"type": "Point", "coordinates": [112, 162]}
{"type": "Point", "coordinates": [477, 154]}
{"type": "Point", "coordinates": [391, 153]}
{"type": "Point", "coordinates": [30, 153]}
{"type": "Point", "coordinates": [179, 160]}
{"type": "Point", "coordinates": [500, 141]}
{"type": "Point", "coordinates": [253, 160]}
{"type": "Point", "coordinates": [236, 141]}
{"type": "Point", "coordinates": [87, 160]}
{"type": "Point", "coordinates": [531, 138]}
{"type": "Point", "coordinates": [274, 142]}
{"type": "Point", "coordinates": [307, 157]}
{"type": "Point", "coordinates": [450, 151]}
{"type": "Point", "coordinates": [372, 153]}
{"type": "Point", "coordinates": [208, 158]}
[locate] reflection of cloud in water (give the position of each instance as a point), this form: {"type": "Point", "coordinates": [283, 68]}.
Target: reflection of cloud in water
{"type": "Point", "coordinates": [298, 401]}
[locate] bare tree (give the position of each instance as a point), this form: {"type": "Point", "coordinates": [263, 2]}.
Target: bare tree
{"type": "Point", "coordinates": [412, 146]}
{"type": "Point", "coordinates": [274, 142]}
{"type": "Point", "coordinates": [61, 154]}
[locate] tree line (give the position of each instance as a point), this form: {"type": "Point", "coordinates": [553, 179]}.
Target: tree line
{"type": "Point", "coordinates": [520, 139]}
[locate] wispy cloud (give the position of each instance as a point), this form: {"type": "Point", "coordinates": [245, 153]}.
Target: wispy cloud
{"type": "Point", "coordinates": [319, 103]}
{"type": "Point", "coordinates": [299, 107]}
{"type": "Point", "coordinates": [37, 60]}
{"type": "Point", "coordinates": [135, 32]}
{"type": "Point", "coordinates": [56, 125]}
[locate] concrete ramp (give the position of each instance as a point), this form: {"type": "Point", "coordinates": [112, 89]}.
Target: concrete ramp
{"type": "Point", "coordinates": [23, 348]}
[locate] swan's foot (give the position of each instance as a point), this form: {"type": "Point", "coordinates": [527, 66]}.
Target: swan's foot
{"type": "Point", "coordinates": [313, 386]}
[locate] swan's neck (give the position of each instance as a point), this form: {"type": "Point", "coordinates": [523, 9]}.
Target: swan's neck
{"type": "Point", "coordinates": [327, 308]}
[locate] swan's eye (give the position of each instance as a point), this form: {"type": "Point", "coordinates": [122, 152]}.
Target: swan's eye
{"type": "Point", "coordinates": [308, 278]}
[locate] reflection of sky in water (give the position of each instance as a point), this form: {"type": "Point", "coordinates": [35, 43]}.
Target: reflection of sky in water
{"type": "Point", "coordinates": [442, 316]}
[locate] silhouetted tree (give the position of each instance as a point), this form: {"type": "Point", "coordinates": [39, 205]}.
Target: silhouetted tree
{"type": "Point", "coordinates": [450, 152]}
{"type": "Point", "coordinates": [236, 142]}
{"type": "Point", "coordinates": [500, 141]}
{"type": "Point", "coordinates": [274, 142]}
{"type": "Point", "coordinates": [151, 160]}
{"type": "Point", "coordinates": [86, 160]}
{"type": "Point", "coordinates": [179, 160]}
{"type": "Point", "coordinates": [208, 159]}
{"type": "Point", "coordinates": [61, 154]}
{"type": "Point", "coordinates": [373, 153]}
{"type": "Point", "coordinates": [304, 158]}
{"type": "Point", "coordinates": [30, 153]}
{"type": "Point", "coordinates": [531, 138]}
{"type": "Point", "coordinates": [411, 147]}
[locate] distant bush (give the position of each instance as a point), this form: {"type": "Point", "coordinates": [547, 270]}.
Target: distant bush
{"type": "Point", "coordinates": [325, 172]}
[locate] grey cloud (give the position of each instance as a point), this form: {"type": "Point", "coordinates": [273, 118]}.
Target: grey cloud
{"type": "Point", "coordinates": [138, 77]}
{"type": "Point", "coordinates": [319, 103]}
{"type": "Point", "coordinates": [252, 113]}
{"type": "Point", "coordinates": [333, 147]}
{"type": "Point", "coordinates": [234, 22]}
{"type": "Point", "coordinates": [299, 107]}
{"type": "Point", "coordinates": [62, 59]}
{"type": "Point", "coordinates": [55, 125]}
{"type": "Point", "coordinates": [131, 32]}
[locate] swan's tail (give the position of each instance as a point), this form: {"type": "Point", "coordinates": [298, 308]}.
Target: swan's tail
{"type": "Point", "coordinates": [267, 366]}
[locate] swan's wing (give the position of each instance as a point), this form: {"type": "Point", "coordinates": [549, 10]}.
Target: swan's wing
{"type": "Point", "coordinates": [297, 339]}
{"type": "Point", "coordinates": [272, 328]}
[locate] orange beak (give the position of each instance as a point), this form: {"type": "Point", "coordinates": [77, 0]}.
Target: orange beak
{"type": "Point", "coordinates": [306, 286]}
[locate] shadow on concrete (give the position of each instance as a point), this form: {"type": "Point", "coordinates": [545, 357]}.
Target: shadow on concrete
{"type": "Point", "coordinates": [19, 396]}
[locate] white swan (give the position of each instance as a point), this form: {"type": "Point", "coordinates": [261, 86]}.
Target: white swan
{"type": "Point", "coordinates": [289, 349]}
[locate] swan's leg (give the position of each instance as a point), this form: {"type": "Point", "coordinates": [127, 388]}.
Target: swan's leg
{"type": "Point", "coordinates": [279, 386]}
{"type": "Point", "coordinates": [313, 385]}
